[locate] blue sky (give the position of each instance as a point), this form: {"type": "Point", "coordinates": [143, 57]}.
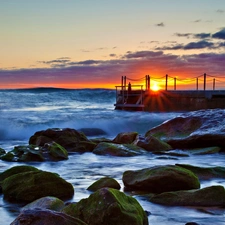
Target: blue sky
{"type": "Point", "coordinates": [86, 43]}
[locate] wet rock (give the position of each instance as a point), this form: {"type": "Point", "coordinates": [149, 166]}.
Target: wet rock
{"type": "Point", "coordinates": [112, 149]}
{"type": "Point", "coordinates": [46, 217]}
{"type": "Point", "coordinates": [15, 170]}
{"type": "Point", "coordinates": [29, 186]}
{"type": "Point", "coordinates": [160, 179]}
{"type": "Point", "coordinates": [108, 206]}
{"type": "Point", "coordinates": [209, 196]}
{"type": "Point", "coordinates": [49, 202]}
{"type": "Point", "coordinates": [204, 151]}
{"type": "Point", "coordinates": [199, 129]}
{"type": "Point", "coordinates": [70, 139]}
{"type": "Point", "coordinates": [152, 144]}
{"type": "Point", "coordinates": [56, 150]}
{"type": "Point", "coordinates": [177, 127]}
{"type": "Point", "coordinates": [205, 173]}
{"type": "Point", "coordinates": [125, 138]}
{"type": "Point", "coordinates": [24, 154]}
{"type": "Point", "coordinates": [104, 182]}
{"type": "Point", "coordinates": [2, 151]}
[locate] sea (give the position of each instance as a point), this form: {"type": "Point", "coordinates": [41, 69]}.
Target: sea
{"type": "Point", "coordinates": [25, 111]}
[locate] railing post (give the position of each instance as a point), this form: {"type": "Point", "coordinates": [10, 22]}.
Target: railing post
{"type": "Point", "coordinates": [214, 84]}
{"type": "Point", "coordinates": [204, 81]}
{"type": "Point", "coordinates": [197, 83]}
{"type": "Point", "coordinates": [175, 81]}
{"type": "Point", "coordinates": [148, 82]}
{"type": "Point", "coordinates": [166, 81]}
{"type": "Point", "coordinates": [122, 83]}
{"type": "Point", "coordinates": [125, 79]}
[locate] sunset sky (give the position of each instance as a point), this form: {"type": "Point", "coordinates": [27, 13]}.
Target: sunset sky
{"type": "Point", "coordinates": [92, 43]}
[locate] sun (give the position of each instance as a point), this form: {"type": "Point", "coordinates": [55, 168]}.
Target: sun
{"type": "Point", "coordinates": [155, 87]}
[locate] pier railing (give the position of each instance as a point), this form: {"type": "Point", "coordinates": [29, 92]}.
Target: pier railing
{"type": "Point", "coordinates": [201, 82]}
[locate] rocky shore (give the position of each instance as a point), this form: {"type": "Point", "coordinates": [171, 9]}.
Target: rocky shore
{"type": "Point", "coordinates": [44, 194]}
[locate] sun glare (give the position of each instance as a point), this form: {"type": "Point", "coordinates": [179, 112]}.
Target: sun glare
{"type": "Point", "coordinates": [155, 87]}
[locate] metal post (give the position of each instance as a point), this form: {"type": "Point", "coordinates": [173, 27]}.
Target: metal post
{"type": "Point", "coordinates": [125, 79]}
{"type": "Point", "coordinates": [204, 81]}
{"type": "Point", "coordinates": [197, 83]}
{"type": "Point", "coordinates": [214, 84]}
{"type": "Point", "coordinates": [148, 82]}
{"type": "Point", "coordinates": [175, 80]}
{"type": "Point", "coordinates": [166, 81]}
{"type": "Point", "coordinates": [122, 83]}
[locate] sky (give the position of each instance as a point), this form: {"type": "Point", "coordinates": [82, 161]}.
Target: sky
{"type": "Point", "coordinates": [91, 44]}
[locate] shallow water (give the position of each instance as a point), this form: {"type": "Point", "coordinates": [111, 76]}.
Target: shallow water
{"type": "Point", "coordinates": [25, 112]}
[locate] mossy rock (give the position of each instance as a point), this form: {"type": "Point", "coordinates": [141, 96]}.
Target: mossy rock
{"type": "Point", "coordinates": [57, 151]}
{"type": "Point", "coordinates": [205, 173]}
{"type": "Point", "coordinates": [118, 149]}
{"type": "Point", "coordinates": [15, 170]}
{"type": "Point", "coordinates": [49, 202]}
{"type": "Point", "coordinates": [160, 179]}
{"type": "Point", "coordinates": [24, 154]}
{"type": "Point", "coordinates": [152, 144]}
{"type": "Point", "coordinates": [108, 206]}
{"type": "Point", "coordinates": [125, 138]}
{"type": "Point", "coordinates": [29, 186]}
{"type": "Point", "coordinates": [45, 217]}
{"type": "Point", "coordinates": [104, 182]}
{"type": "Point", "coordinates": [209, 196]}
{"type": "Point", "coordinates": [71, 139]}
{"type": "Point", "coordinates": [204, 151]}
{"type": "Point", "coordinates": [2, 151]}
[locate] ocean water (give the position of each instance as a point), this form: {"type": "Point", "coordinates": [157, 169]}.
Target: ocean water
{"type": "Point", "coordinates": [23, 112]}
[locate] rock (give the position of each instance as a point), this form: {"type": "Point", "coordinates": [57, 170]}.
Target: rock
{"type": "Point", "coordinates": [29, 186]}
{"type": "Point", "coordinates": [177, 127]}
{"type": "Point", "coordinates": [15, 170]}
{"type": "Point", "coordinates": [209, 196]}
{"type": "Point", "coordinates": [104, 148]}
{"type": "Point", "coordinates": [24, 154]}
{"type": "Point", "coordinates": [49, 202]}
{"type": "Point", "coordinates": [70, 139]}
{"type": "Point", "coordinates": [108, 206]}
{"type": "Point", "coordinates": [204, 151]}
{"type": "Point", "coordinates": [104, 182]}
{"type": "Point", "coordinates": [2, 151]}
{"type": "Point", "coordinates": [99, 140]}
{"type": "Point", "coordinates": [125, 138]}
{"type": "Point", "coordinates": [160, 179]}
{"type": "Point", "coordinates": [46, 217]}
{"type": "Point", "coordinates": [205, 173]}
{"type": "Point", "coordinates": [56, 150]}
{"type": "Point", "coordinates": [92, 131]}
{"type": "Point", "coordinates": [152, 144]}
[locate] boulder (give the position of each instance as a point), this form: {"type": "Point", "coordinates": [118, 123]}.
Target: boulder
{"type": "Point", "coordinates": [15, 170]}
{"type": "Point", "coordinates": [32, 185]}
{"type": "Point", "coordinates": [152, 144]}
{"type": "Point", "coordinates": [204, 151]}
{"type": "Point", "coordinates": [46, 217]}
{"type": "Point", "coordinates": [209, 196]}
{"type": "Point", "coordinates": [160, 179]}
{"type": "Point", "coordinates": [56, 150]}
{"type": "Point", "coordinates": [108, 206]}
{"type": "Point", "coordinates": [24, 154]}
{"type": "Point", "coordinates": [70, 139]}
{"type": "Point", "coordinates": [105, 148]}
{"type": "Point", "coordinates": [125, 138]}
{"type": "Point", "coordinates": [104, 182]}
{"type": "Point", "coordinates": [49, 202]}
{"type": "Point", "coordinates": [177, 127]}
{"type": "Point", "coordinates": [205, 173]}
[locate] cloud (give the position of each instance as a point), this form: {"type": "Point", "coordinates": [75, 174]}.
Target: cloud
{"type": "Point", "coordinates": [198, 45]}
{"type": "Point", "coordinates": [188, 35]}
{"type": "Point", "coordinates": [197, 21]}
{"type": "Point", "coordinates": [220, 11]}
{"type": "Point", "coordinates": [220, 34]}
{"type": "Point", "coordinates": [160, 24]}
{"type": "Point", "coordinates": [202, 35]}
{"type": "Point", "coordinates": [132, 64]}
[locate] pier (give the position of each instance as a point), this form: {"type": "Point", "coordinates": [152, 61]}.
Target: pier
{"type": "Point", "coordinates": [143, 97]}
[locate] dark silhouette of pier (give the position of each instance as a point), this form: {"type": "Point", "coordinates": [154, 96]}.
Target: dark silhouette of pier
{"type": "Point", "coordinates": [136, 97]}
